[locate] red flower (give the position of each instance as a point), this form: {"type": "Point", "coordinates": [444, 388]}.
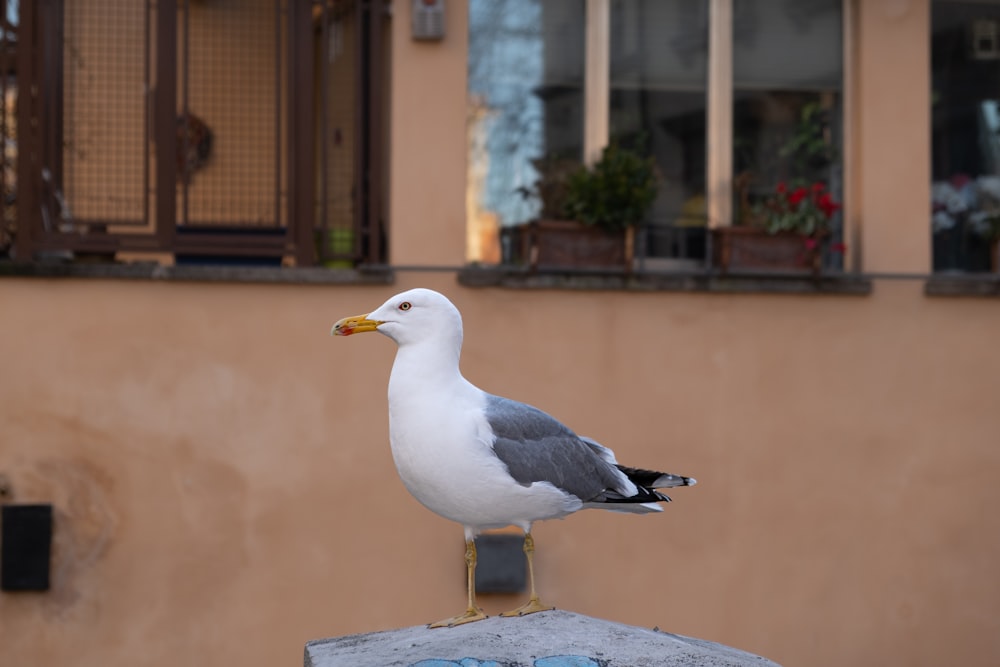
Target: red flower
{"type": "Point", "coordinates": [802, 209]}
{"type": "Point", "coordinates": [959, 181]}
{"type": "Point", "coordinates": [827, 205]}
{"type": "Point", "coordinates": [838, 247]}
{"type": "Point", "coordinates": [796, 197]}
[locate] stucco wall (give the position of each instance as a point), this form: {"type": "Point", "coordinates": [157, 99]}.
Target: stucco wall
{"type": "Point", "coordinates": [224, 487]}
{"type": "Point", "coordinates": [427, 140]}
{"type": "Point", "coordinates": [225, 491]}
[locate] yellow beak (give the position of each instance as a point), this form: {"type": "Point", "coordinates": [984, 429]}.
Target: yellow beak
{"type": "Point", "coordinates": [353, 325]}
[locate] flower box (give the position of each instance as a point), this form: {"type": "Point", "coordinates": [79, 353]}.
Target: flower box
{"type": "Point", "coordinates": [569, 244]}
{"type": "Point", "coordinates": [754, 249]}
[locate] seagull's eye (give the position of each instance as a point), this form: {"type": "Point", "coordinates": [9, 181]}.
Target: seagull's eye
{"type": "Point", "coordinates": [406, 305]}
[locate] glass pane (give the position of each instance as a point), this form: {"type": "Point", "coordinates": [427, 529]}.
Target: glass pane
{"type": "Point", "coordinates": [659, 60]}
{"type": "Point", "coordinates": [965, 135]}
{"type": "Point", "coordinates": [525, 109]}
{"type": "Point", "coordinates": [787, 115]}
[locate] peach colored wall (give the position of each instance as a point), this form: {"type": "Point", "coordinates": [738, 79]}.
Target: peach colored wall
{"type": "Point", "coordinates": [225, 491]}
{"type": "Point", "coordinates": [893, 141]}
{"type": "Point", "coordinates": [427, 142]}
{"type": "Point", "coordinates": [224, 487]}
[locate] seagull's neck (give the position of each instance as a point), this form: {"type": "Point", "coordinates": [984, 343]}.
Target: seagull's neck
{"type": "Point", "coordinates": [424, 368]}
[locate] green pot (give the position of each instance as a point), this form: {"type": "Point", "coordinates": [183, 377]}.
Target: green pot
{"type": "Point", "coordinates": [339, 241]}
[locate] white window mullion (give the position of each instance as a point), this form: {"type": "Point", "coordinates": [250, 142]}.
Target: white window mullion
{"type": "Point", "coordinates": [597, 79]}
{"type": "Point", "coordinates": [720, 114]}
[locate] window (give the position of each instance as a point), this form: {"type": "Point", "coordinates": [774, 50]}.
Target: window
{"type": "Point", "coordinates": [787, 102]}
{"type": "Point", "coordinates": [730, 98]}
{"type": "Point", "coordinates": [658, 96]}
{"type": "Point", "coordinates": [526, 66]}
{"type": "Point", "coordinates": [160, 130]}
{"type": "Point", "coordinates": [965, 135]}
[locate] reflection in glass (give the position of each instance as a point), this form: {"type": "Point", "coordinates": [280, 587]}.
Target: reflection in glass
{"type": "Point", "coordinates": [659, 56]}
{"type": "Point", "coordinates": [525, 104]}
{"type": "Point", "coordinates": [965, 135]}
{"type": "Point", "coordinates": [787, 102]}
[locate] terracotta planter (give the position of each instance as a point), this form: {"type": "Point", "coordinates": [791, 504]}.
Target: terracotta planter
{"type": "Point", "coordinates": [750, 248]}
{"type": "Point", "coordinates": [569, 244]}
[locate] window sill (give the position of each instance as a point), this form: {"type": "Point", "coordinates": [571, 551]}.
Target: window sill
{"type": "Point", "coordinates": [971, 284]}
{"type": "Point", "coordinates": [204, 273]}
{"type": "Point", "coordinates": [703, 281]}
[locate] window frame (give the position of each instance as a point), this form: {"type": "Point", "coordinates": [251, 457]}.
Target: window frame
{"type": "Point", "coordinates": [719, 110]}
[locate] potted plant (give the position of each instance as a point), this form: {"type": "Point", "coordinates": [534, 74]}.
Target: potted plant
{"type": "Point", "coordinates": [983, 219]}
{"type": "Point", "coordinates": [986, 220]}
{"type": "Point", "coordinates": [588, 214]}
{"type": "Point", "coordinates": [787, 230]}
{"type": "Point", "coordinates": [549, 192]}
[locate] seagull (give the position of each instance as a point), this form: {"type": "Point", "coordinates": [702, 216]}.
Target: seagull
{"type": "Point", "coordinates": [481, 460]}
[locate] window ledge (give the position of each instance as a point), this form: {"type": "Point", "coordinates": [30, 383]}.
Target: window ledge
{"type": "Point", "coordinates": [982, 285]}
{"type": "Point", "coordinates": [201, 273]}
{"type": "Point", "coordinates": [707, 281]}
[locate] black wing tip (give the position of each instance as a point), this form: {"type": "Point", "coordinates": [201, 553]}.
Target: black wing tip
{"type": "Point", "coordinates": [655, 480]}
{"type": "Point", "coordinates": [643, 495]}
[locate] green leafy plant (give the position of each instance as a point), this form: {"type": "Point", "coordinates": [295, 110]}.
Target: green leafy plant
{"type": "Point", "coordinates": [615, 192]}
{"type": "Point", "coordinates": [551, 186]}
{"type": "Point", "coordinates": [809, 148]}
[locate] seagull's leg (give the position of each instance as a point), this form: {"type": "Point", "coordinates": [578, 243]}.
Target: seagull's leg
{"type": "Point", "coordinates": [533, 604]}
{"type": "Point", "coordinates": [473, 613]}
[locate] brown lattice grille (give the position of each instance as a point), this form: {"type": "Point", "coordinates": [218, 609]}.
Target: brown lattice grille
{"type": "Point", "coordinates": [231, 113]}
{"type": "Point", "coordinates": [105, 68]}
{"type": "Point", "coordinates": [219, 131]}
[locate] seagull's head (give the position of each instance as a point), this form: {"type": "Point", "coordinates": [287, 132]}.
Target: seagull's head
{"type": "Point", "coordinates": [413, 316]}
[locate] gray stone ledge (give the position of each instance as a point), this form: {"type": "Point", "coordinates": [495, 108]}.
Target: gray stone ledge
{"type": "Point", "coordinates": [982, 285]}
{"type": "Point", "coordinates": [197, 273]}
{"type": "Point", "coordinates": [706, 281]}
{"type": "Point", "coordinates": [549, 639]}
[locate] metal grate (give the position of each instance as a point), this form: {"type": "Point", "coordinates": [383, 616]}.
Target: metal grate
{"type": "Point", "coordinates": [104, 172]}
{"type": "Point", "coordinates": [211, 129]}
{"type": "Point", "coordinates": [231, 116]}
{"type": "Point", "coordinates": [8, 123]}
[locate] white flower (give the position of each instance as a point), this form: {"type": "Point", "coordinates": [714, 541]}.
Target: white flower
{"type": "Point", "coordinates": [989, 186]}
{"type": "Point", "coordinates": [976, 205]}
{"type": "Point", "coordinates": [979, 221]}
{"type": "Point", "coordinates": [955, 201]}
{"type": "Point", "coordinates": [942, 220]}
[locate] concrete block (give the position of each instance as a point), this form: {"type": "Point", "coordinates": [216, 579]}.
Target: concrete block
{"type": "Point", "coordinates": [549, 639]}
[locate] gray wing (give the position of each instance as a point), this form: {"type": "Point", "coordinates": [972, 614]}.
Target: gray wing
{"type": "Point", "coordinates": [537, 448]}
